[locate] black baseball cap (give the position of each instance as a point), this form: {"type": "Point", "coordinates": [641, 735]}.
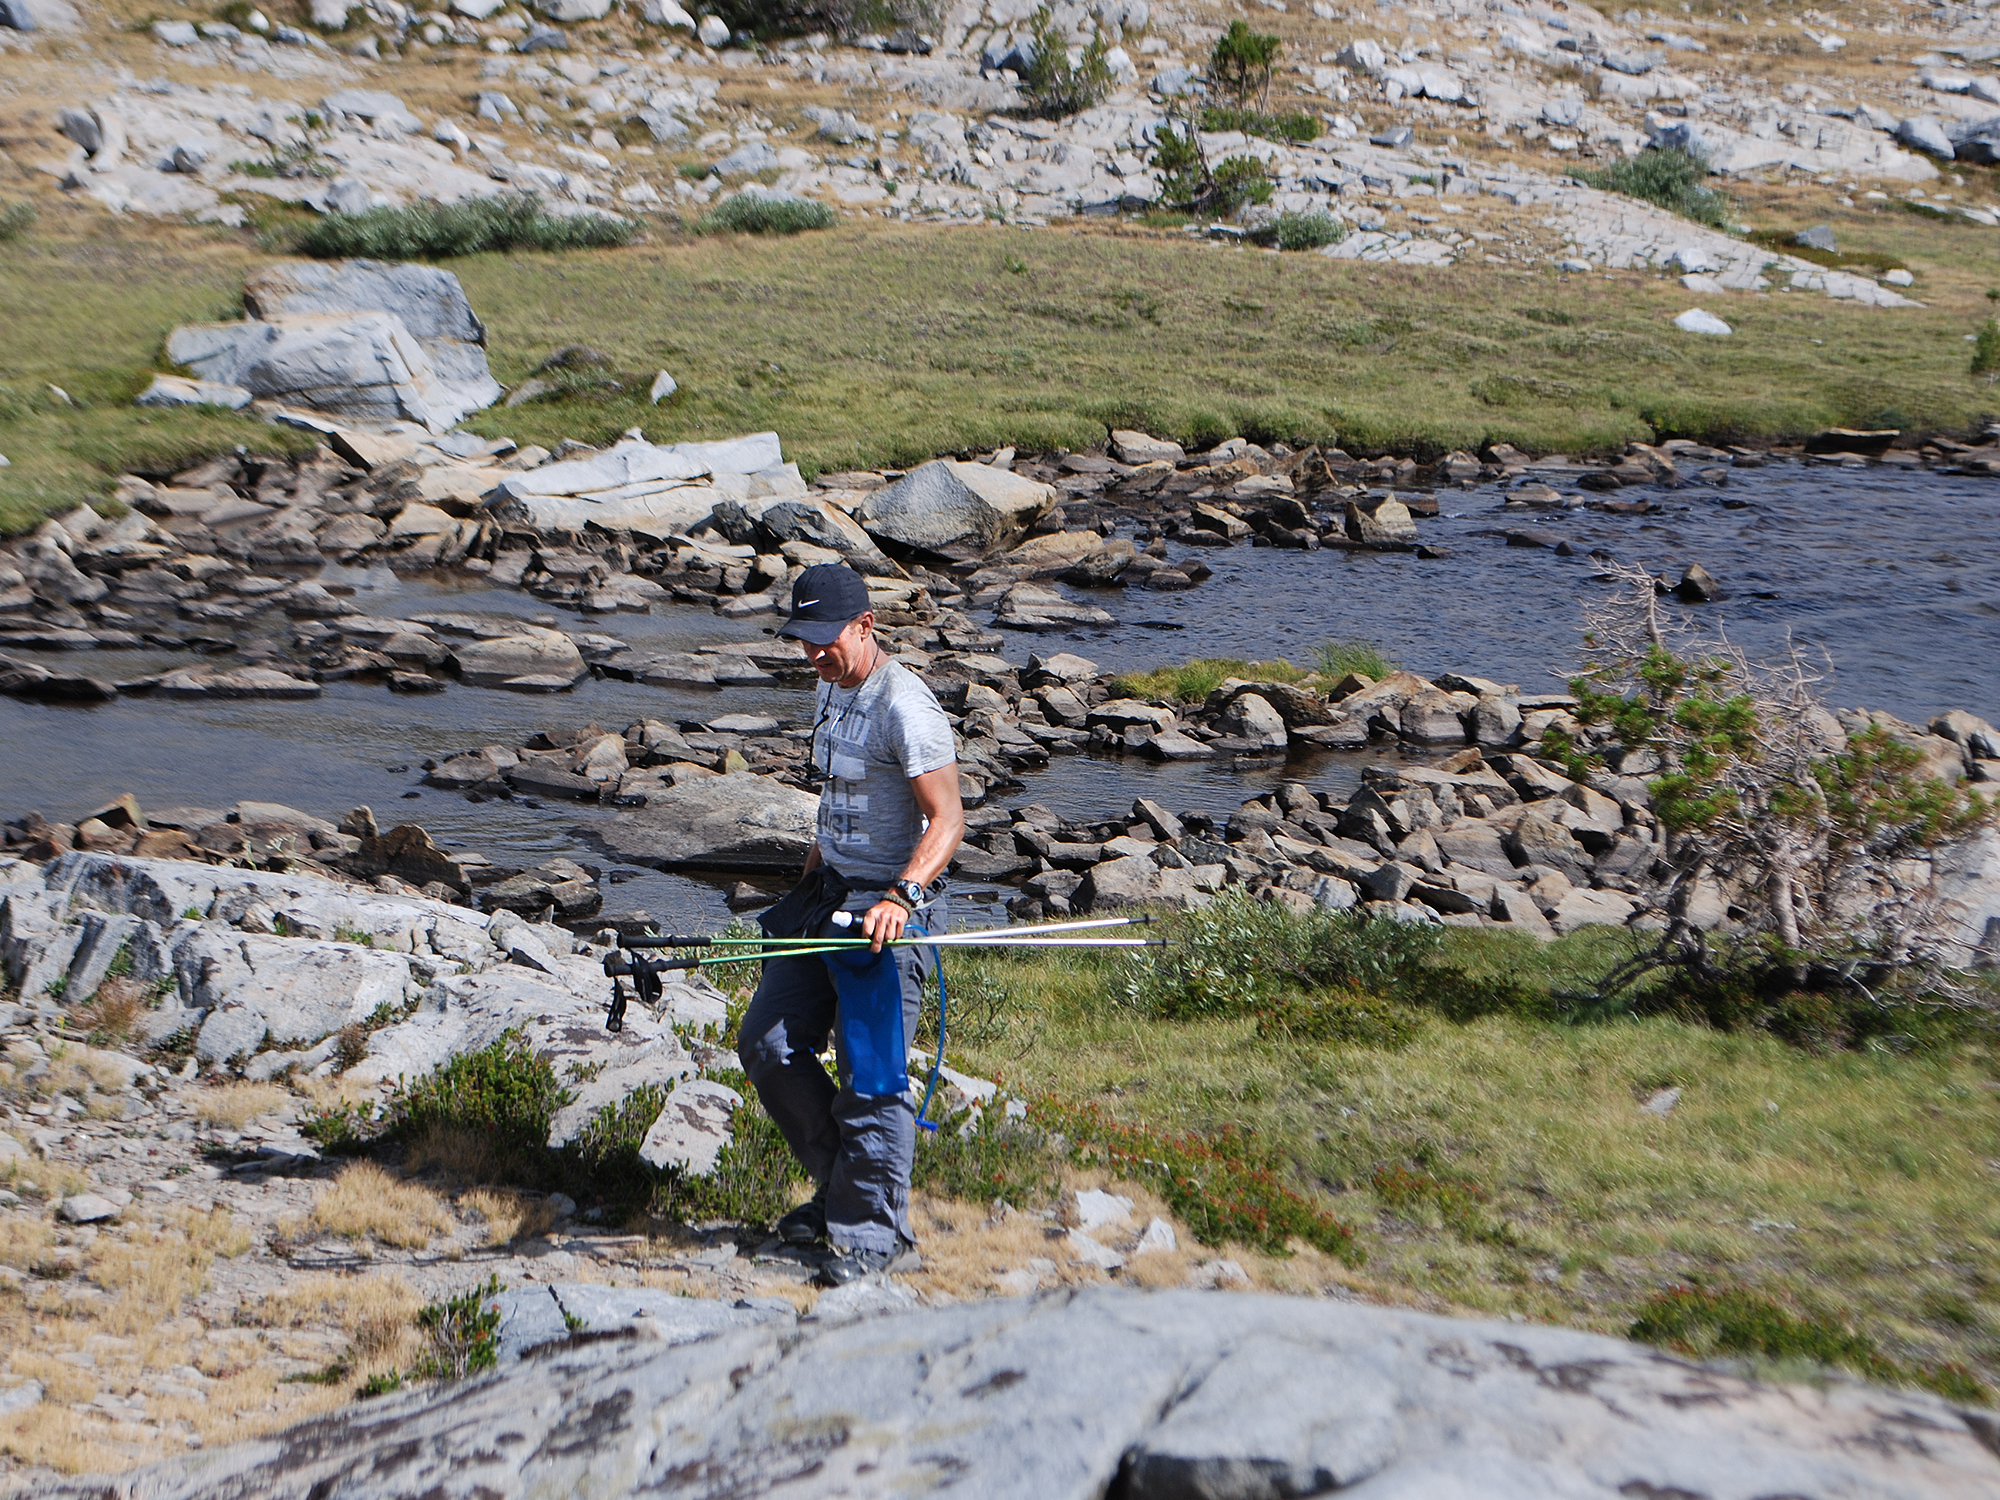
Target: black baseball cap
{"type": "Point", "coordinates": [825, 598]}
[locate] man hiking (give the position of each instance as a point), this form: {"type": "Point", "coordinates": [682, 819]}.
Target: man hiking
{"type": "Point", "coordinates": [889, 822]}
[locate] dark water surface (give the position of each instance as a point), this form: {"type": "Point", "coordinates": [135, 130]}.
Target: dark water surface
{"type": "Point", "coordinates": [1895, 575]}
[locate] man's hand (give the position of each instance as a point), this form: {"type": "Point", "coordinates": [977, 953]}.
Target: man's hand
{"type": "Point", "coordinates": [884, 923]}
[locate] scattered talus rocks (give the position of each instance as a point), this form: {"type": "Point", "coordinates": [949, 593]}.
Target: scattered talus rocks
{"type": "Point", "coordinates": [1072, 1395]}
{"type": "Point", "coordinates": [358, 339]}
{"type": "Point", "coordinates": [657, 490]}
{"type": "Point", "coordinates": [955, 511]}
{"type": "Point", "coordinates": [736, 822]}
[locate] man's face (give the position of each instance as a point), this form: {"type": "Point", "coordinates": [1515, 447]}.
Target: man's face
{"type": "Point", "coordinates": [849, 654]}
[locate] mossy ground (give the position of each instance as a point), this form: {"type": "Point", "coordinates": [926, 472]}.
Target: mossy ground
{"type": "Point", "coordinates": [888, 344]}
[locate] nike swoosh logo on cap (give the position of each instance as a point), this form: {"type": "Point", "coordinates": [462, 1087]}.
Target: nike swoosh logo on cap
{"type": "Point", "coordinates": [805, 604]}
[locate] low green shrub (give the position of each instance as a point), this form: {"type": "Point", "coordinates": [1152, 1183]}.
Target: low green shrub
{"type": "Point", "coordinates": [1224, 1186]}
{"type": "Point", "coordinates": [503, 1093]}
{"type": "Point", "coordinates": [514, 221]}
{"type": "Point", "coordinates": [1704, 1323]}
{"type": "Point", "coordinates": [1986, 348]}
{"type": "Point", "coordinates": [1295, 125]}
{"type": "Point", "coordinates": [1239, 181]}
{"type": "Point", "coordinates": [1668, 176]}
{"type": "Point", "coordinates": [992, 1158]}
{"type": "Point", "coordinates": [462, 1332]}
{"type": "Point", "coordinates": [754, 1175]}
{"type": "Point", "coordinates": [1297, 231]}
{"type": "Point", "coordinates": [755, 213]}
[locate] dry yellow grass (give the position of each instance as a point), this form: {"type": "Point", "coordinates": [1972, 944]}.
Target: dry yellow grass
{"type": "Point", "coordinates": [509, 1215]}
{"type": "Point", "coordinates": [377, 1314]}
{"type": "Point", "coordinates": [365, 1202]}
{"type": "Point", "coordinates": [234, 1105]}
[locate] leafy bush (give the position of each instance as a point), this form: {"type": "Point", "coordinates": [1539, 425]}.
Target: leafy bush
{"type": "Point", "coordinates": [1734, 1321]}
{"type": "Point", "coordinates": [512, 221]}
{"type": "Point", "coordinates": [607, 1148]}
{"type": "Point", "coordinates": [757, 213]}
{"type": "Point", "coordinates": [1986, 348]}
{"type": "Point", "coordinates": [1243, 61]}
{"type": "Point", "coordinates": [1054, 87]}
{"type": "Point", "coordinates": [503, 1094]}
{"type": "Point", "coordinates": [1668, 176]}
{"type": "Point", "coordinates": [1458, 1203]}
{"type": "Point", "coordinates": [1336, 659]}
{"type": "Point", "coordinates": [1293, 970]}
{"type": "Point", "coordinates": [1297, 231]}
{"type": "Point", "coordinates": [16, 219]}
{"type": "Point", "coordinates": [1238, 180]}
{"type": "Point", "coordinates": [461, 1331]}
{"type": "Point", "coordinates": [1294, 125]}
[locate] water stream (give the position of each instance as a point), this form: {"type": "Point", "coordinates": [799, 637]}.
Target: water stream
{"type": "Point", "coordinates": [1895, 575]}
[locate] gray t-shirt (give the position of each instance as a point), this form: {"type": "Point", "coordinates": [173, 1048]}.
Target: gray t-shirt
{"type": "Point", "coordinates": [869, 742]}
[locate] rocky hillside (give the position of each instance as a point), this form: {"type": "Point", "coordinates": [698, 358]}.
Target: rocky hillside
{"type": "Point", "coordinates": [1445, 137]}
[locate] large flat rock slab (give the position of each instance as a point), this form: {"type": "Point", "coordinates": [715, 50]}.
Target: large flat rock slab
{"type": "Point", "coordinates": [737, 822]}
{"type": "Point", "coordinates": [1071, 1396]}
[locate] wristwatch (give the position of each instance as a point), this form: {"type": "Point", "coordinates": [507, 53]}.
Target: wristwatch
{"type": "Point", "coordinates": [906, 893]}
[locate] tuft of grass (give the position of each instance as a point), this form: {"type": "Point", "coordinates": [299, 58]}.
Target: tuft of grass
{"type": "Point", "coordinates": [502, 1095]}
{"type": "Point", "coordinates": [509, 1215]}
{"type": "Point", "coordinates": [16, 219]}
{"type": "Point", "coordinates": [1734, 1320]}
{"type": "Point", "coordinates": [1297, 231]}
{"type": "Point", "coordinates": [234, 1105]}
{"type": "Point", "coordinates": [757, 213]}
{"type": "Point", "coordinates": [1335, 659]}
{"type": "Point", "coordinates": [1193, 681]}
{"type": "Point", "coordinates": [1668, 176]}
{"type": "Point", "coordinates": [435, 231]}
{"type": "Point", "coordinates": [365, 1202]}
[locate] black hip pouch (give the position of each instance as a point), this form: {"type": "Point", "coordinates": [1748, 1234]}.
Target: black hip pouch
{"type": "Point", "coordinates": [803, 910]}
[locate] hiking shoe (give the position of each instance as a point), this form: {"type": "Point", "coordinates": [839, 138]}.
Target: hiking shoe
{"type": "Point", "coordinates": [845, 1266]}
{"type": "Point", "coordinates": [804, 1225]}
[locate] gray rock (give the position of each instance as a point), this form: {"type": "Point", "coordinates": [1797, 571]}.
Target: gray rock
{"type": "Point", "coordinates": [1388, 525]}
{"type": "Point", "coordinates": [954, 510]}
{"type": "Point", "coordinates": [819, 524]}
{"type": "Point", "coordinates": [86, 1208]}
{"type": "Point", "coordinates": [692, 1128]}
{"type": "Point", "coordinates": [29, 1393]}
{"type": "Point", "coordinates": [1252, 717]}
{"type": "Point", "coordinates": [752, 156]}
{"type": "Point", "coordinates": [571, 11]}
{"type": "Point", "coordinates": [1135, 880]}
{"type": "Point", "coordinates": [1139, 448]}
{"type": "Point", "coordinates": [1818, 237]}
{"type": "Point", "coordinates": [374, 106]}
{"type": "Point", "coordinates": [498, 663]}
{"type": "Point", "coordinates": [1926, 133]}
{"type": "Point", "coordinates": [1540, 840]}
{"type": "Point", "coordinates": [1030, 606]}
{"type": "Point", "coordinates": [172, 33]}
{"type": "Point", "coordinates": [80, 126]}
{"type": "Point", "coordinates": [1395, 137]}
{"type": "Point", "coordinates": [177, 390]}
{"type": "Point", "coordinates": [1083, 1393]}
{"type": "Point", "coordinates": [738, 822]}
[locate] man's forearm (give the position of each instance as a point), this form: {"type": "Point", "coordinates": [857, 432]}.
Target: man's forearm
{"type": "Point", "coordinates": [934, 850]}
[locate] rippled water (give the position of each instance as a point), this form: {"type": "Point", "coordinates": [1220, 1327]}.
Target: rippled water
{"type": "Point", "coordinates": [1895, 575]}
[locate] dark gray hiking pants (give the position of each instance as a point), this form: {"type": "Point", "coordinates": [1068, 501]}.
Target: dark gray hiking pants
{"type": "Point", "coordinates": [858, 1149]}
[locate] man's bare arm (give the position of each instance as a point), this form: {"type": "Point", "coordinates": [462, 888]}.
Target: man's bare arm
{"type": "Point", "coordinates": [936, 794]}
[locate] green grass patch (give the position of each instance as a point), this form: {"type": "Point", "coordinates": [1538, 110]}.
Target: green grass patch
{"type": "Point", "coordinates": [437, 231]}
{"type": "Point", "coordinates": [1986, 348]}
{"type": "Point", "coordinates": [16, 219]}
{"type": "Point", "coordinates": [1707, 1323]}
{"type": "Point", "coordinates": [1335, 659]}
{"type": "Point", "coordinates": [1672, 178]}
{"type": "Point", "coordinates": [879, 344]}
{"type": "Point", "coordinates": [1191, 682]}
{"type": "Point", "coordinates": [753, 213]}
{"type": "Point", "coordinates": [1783, 242]}
{"type": "Point", "coordinates": [1502, 1164]}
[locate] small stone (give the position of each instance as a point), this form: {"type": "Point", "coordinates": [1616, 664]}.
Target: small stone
{"type": "Point", "coordinates": [1662, 1103]}
{"type": "Point", "coordinates": [1818, 237]}
{"type": "Point", "coordinates": [713, 31]}
{"type": "Point", "coordinates": [1084, 1248]}
{"type": "Point", "coordinates": [86, 1208]}
{"type": "Point", "coordinates": [664, 385]}
{"type": "Point", "coordinates": [1159, 1236]}
{"type": "Point", "coordinates": [1694, 320]}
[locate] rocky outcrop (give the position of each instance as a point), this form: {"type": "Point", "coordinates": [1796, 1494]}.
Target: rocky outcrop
{"type": "Point", "coordinates": [954, 511]}
{"type": "Point", "coordinates": [360, 339]}
{"type": "Point", "coordinates": [1149, 1397]}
